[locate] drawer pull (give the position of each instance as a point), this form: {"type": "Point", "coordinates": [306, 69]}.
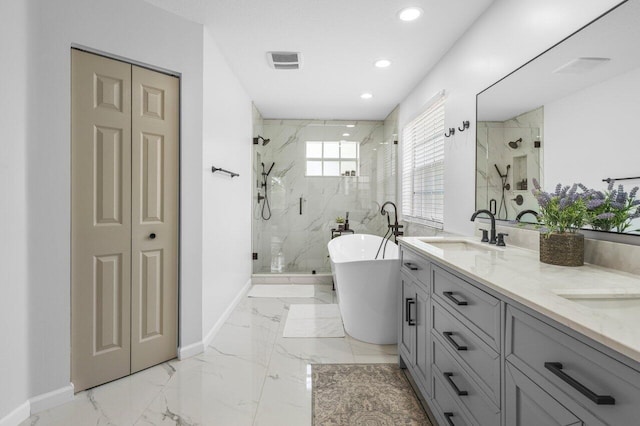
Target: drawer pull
{"type": "Point", "coordinates": [556, 368]}
{"type": "Point", "coordinates": [449, 295]}
{"type": "Point", "coordinates": [411, 266]}
{"type": "Point", "coordinates": [408, 302]}
{"type": "Point", "coordinates": [448, 376]}
{"type": "Point", "coordinates": [447, 335]}
{"type": "Point", "coordinates": [447, 416]}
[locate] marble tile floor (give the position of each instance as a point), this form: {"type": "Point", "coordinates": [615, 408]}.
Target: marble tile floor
{"type": "Point", "coordinates": [314, 320]}
{"type": "Point", "coordinates": [249, 375]}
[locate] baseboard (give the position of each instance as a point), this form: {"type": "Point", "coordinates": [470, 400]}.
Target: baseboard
{"type": "Point", "coordinates": [188, 351]}
{"type": "Point", "coordinates": [225, 315]}
{"type": "Point", "coordinates": [17, 416]}
{"type": "Point", "coordinates": [51, 399]}
{"type": "Point", "coordinates": [199, 347]}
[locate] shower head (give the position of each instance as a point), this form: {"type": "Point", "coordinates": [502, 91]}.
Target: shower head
{"type": "Point", "coordinates": [514, 144]}
{"type": "Point", "coordinates": [256, 141]}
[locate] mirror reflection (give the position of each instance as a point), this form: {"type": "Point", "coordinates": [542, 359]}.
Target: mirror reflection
{"type": "Point", "coordinates": [568, 116]}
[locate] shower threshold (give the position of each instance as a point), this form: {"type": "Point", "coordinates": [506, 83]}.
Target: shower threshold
{"type": "Point", "coordinates": [288, 278]}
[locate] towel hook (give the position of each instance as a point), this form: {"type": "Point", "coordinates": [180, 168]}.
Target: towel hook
{"type": "Point", "coordinates": [465, 126]}
{"type": "Point", "coordinates": [452, 131]}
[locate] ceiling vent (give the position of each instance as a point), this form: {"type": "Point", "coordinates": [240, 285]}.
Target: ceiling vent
{"type": "Point", "coordinates": [285, 60]}
{"type": "Point", "coordinates": [580, 65]}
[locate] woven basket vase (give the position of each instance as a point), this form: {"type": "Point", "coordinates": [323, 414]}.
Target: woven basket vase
{"type": "Point", "coordinates": [562, 249]}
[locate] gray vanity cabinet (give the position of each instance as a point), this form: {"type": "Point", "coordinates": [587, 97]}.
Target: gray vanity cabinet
{"type": "Point", "coordinates": [415, 325]}
{"type": "Point", "coordinates": [480, 358]}
{"type": "Point", "coordinates": [527, 404]}
{"type": "Point", "coordinates": [407, 331]}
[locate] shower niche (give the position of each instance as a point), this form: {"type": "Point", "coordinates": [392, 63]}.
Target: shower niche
{"type": "Point", "coordinates": [508, 158]}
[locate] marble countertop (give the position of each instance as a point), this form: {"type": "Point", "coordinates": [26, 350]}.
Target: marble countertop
{"type": "Point", "coordinates": [518, 274]}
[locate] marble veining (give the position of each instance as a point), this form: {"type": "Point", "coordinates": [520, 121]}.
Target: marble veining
{"type": "Point", "coordinates": [249, 375]}
{"type": "Point", "coordinates": [518, 274]}
{"type": "Point", "coordinates": [292, 242]}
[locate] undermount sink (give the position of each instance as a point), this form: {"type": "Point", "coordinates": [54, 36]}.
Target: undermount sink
{"type": "Point", "coordinates": [620, 304]}
{"type": "Point", "coordinates": [458, 245]}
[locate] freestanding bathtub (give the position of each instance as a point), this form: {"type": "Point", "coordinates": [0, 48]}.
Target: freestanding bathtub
{"type": "Point", "coordinates": [366, 288]}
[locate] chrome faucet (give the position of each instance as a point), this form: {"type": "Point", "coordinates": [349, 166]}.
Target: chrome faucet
{"type": "Point", "coordinates": [395, 228]}
{"type": "Point", "coordinates": [492, 240]}
{"type": "Point", "coordinates": [523, 212]}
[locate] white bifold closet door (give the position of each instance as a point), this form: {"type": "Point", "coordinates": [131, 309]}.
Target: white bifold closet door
{"type": "Point", "coordinates": [124, 215]}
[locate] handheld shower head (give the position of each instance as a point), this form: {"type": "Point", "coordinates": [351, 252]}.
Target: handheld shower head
{"type": "Point", "coordinates": [514, 144]}
{"type": "Point", "coordinates": [265, 141]}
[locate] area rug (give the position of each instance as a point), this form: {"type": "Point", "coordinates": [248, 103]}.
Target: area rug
{"type": "Point", "coordinates": [281, 290]}
{"type": "Point", "coordinates": [364, 395]}
{"type": "Point", "coordinates": [313, 320]}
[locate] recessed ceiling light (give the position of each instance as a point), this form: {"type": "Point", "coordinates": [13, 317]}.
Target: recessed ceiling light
{"type": "Point", "coordinates": [366, 96]}
{"type": "Point", "coordinates": [410, 14]}
{"type": "Point", "coordinates": [346, 134]}
{"type": "Point", "coordinates": [382, 63]}
{"type": "Point", "coordinates": [351, 125]}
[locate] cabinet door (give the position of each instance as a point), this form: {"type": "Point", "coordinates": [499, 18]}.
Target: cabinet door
{"type": "Point", "coordinates": [423, 333]}
{"type": "Point", "coordinates": [408, 320]}
{"type": "Point", "coordinates": [528, 405]}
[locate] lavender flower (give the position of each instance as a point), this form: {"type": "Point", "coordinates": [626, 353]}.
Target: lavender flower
{"type": "Point", "coordinates": [614, 209]}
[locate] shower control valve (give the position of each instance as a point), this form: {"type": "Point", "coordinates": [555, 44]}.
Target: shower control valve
{"type": "Point", "coordinates": [500, 239]}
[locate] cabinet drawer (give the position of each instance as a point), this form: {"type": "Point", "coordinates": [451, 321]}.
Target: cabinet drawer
{"type": "Point", "coordinates": [447, 409]}
{"type": "Point", "coordinates": [463, 389]}
{"type": "Point", "coordinates": [480, 359]}
{"type": "Point", "coordinates": [480, 310]}
{"type": "Point", "coordinates": [416, 266]}
{"type": "Point", "coordinates": [532, 345]}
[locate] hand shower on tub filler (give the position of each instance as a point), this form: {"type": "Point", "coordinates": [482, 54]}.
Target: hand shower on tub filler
{"type": "Point", "coordinates": [392, 230]}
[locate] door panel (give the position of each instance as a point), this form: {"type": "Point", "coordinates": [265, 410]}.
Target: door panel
{"type": "Point", "coordinates": [101, 220]}
{"type": "Point", "coordinates": [155, 133]}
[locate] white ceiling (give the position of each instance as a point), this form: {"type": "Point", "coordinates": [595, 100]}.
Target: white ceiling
{"type": "Point", "coordinates": [339, 41]}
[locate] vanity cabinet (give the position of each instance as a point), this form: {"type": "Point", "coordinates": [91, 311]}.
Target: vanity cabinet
{"type": "Point", "coordinates": [415, 326]}
{"type": "Point", "coordinates": [527, 404]}
{"type": "Point", "coordinates": [480, 358]}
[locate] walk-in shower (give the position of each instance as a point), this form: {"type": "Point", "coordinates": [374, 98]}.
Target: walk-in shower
{"type": "Point", "coordinates": [306, 179]}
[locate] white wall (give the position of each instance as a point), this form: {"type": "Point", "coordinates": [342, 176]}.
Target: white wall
{"type": "Point", "coordinates": [226, 202]}
{"type": "Point", "coordinates": [134, 30]}
{"type": "Point", "coordinates": [590, 135]}
{"type": "Point", "coordinates": [507, 35]}
{"type": "Point", "coordinates": [14, 358]}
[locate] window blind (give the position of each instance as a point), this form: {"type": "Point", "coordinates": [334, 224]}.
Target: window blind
{"type": "Point", "coordinates": [423, 166]}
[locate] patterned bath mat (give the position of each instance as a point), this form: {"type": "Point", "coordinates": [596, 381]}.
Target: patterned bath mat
{"type": "Point", "coordinates": [364, 394]}
{"type": "Point", "coordinates": [281, 290]}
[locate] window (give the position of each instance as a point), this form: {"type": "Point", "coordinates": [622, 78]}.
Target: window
{"type": "Point", "coordinates": [423, 166]}
{"type": "Point", "coordinates": [332, 158]}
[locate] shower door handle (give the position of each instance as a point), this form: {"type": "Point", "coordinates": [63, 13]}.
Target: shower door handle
{"type": "Point", "coordinates": [300, 205]}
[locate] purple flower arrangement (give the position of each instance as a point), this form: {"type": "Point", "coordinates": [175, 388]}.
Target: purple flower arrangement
{"type": "Point", "coordinates": [613, 209]}
{"type": "Point", "coordinates": [562, 211]}
{"type": "Point", "coordinates": [569, 208]}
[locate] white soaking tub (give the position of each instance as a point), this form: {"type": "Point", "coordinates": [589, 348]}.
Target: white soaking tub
{"type": "Point", "coordinates": [367, 288]}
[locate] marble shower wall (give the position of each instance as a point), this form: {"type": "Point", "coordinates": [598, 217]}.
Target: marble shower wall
{"type": "Point", "coordinates": [524, 162]}
{"type": "Point", "coordinates": [290, 242]}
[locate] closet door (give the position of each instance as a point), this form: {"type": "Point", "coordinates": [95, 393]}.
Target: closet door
{"type": "Point", "coordinates": [154, 272]}
{"type": "Point", "coordinates": [100, 219]}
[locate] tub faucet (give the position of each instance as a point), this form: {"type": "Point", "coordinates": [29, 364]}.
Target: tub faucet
{"type": "Point", "coordinates": [523, 212]}
{"type": "Point", "coordinates": [395, 228]}
{"type": "Point", "coordinates": [492, 240]}
{"type": "Point", "coordinates": [346, 222]}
